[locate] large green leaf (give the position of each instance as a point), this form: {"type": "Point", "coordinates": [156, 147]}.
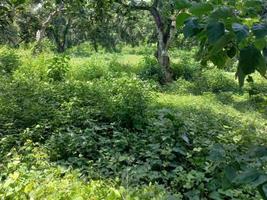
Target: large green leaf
{"type": "Point", "coordinates": [199, 9]}
{"type": "Point", "coordinates": [219, 59]}
{"type": "Point", "coordinates": [230, 173]}
{"type": "Point", "coordinates": [263, 190]}
{"type": "Point", "coordinates": [240, 75]}
{"type": "Point", "coordinates": [181, 18]}
{"type": "Point", "coordinates": [241, 31]}
{"type": "Point", "coordinates": [247, 177]}
{"type": "Point", "coordinates": [259, 30]}
{"type": "Point", "coordinates": [217, 153]}
{"type": "Point", "coordinates": [191, 28]}
{"type": "Point", "coordinates": [215, 31]}
{"type": "Point", "coordinates": [250, 59]}
{"type": "Point", "coordinates": [220, 44]}
{"type": "Point", "coordinates": [222, 13]}
{"type": "Point", "coordinates": [260, 43]}
{"type": "Point", "coordinates": [182, 4]}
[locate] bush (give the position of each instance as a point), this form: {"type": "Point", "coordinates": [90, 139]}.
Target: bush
{"type": "Point", "coordinates": [173, 150]}
{"type": "Point", "coordinates": [23, 103]}
{"type": "Point", "coordinates": [93, 68]}
{"type": "Point", "coordinates": [127, 100]}
{"type": "Point", "coordinates": [151, 70]}
{"type": "Point", "coordinates": [82, 50]}
{"type": "Point", "coordinates": [139, 50]}
{"type": "Point", "coordinates": [186, 67]}
{"type": "Point", "coordinates": [58, 67]}
{"type": "Point", "coordinates": [117, 67]}
{"type": "Point", "coordinates": [181, 86]}
{"type": "Point", "coordinates": [45, 46]}
{"type": "Point", "coordinates": [215, 80]}
{"type": "Point", "coordinates": [123, 100]}
{"type": "Point", "coordinates": [108, 125]}
{"type": "Point", "coordinates": [9, 60]}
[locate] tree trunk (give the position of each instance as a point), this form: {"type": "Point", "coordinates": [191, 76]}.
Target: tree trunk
{"type": "Point", "coordinates": [95, 45]}
{"type": "Point", "coordinates": [165, 32]}
{"type": "Point", "coordinates": [164, 59]}
{"type": "Point", "coordinates": [166, 29]}
{"type": "Point", "coordinates": [40, 34]}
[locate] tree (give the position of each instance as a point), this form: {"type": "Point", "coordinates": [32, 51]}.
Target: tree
{"type": "Point", "coordinates": [163, 13]}
{"type": "Point", "coordinates": [228, 30]}
{"type": "Point", "coordinates": [8, 10]}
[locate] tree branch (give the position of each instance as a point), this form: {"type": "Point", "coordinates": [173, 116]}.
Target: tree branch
{"type": "Point", "coordinates": [155, 13]}
{"type": "Point", "coordinates": [133, 6]}
{"type": "Point", "coordinates": [155, 3]}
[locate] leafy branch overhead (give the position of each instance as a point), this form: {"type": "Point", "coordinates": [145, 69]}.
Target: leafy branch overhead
{"type": "Point", "coordinates": [228, 30]}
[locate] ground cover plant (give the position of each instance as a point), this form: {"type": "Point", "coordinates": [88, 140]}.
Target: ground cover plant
{"type": "Point", "coordinates": [119, 134]}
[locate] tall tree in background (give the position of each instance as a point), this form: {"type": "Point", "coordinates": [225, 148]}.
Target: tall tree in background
{"type": "Point", "coordinates": [163, 13]}
{"type": "Point", "coordinates": [8, 12]}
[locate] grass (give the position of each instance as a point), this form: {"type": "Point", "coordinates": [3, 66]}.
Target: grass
{"type": "Point", "coordinates": [238, 107]}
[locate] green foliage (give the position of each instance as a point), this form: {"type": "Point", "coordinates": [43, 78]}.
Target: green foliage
{"type": "Point", "coordinates": [215, 80]}
{"type": "Point", "coordinates": [144, 49]}
{"type": "Point", "coordinates": [225, 33]}
{"type": "Point", "coordinates": [127, 100]}
{"type": "Point", "coordinates": [81, 50]}
{"type": "Point", "coordinates": [57, 68]}
{"type": "Point", "coordinates": [186, 68]}
{"type": "Point", "coordinates": [29, 174]}
{"type": "Point", "coordinates": [215, 31]}
{"type": "Point", "coordinates": [247, 65]}
{"type": "Point", "coordinates": [93, 68]}
{"type": "Point", "coordinates": [151, 70]}
{"type": "Point", "coordinates": [191, 28]}
{"type": "Point", "coordinates": [102, 123]}
{"type": "Point", "coordinates": [241, 31]}
{"type": "Point", "coordinates": [181, 86]}
{"type": "Point", "coordinates": [9, 61]}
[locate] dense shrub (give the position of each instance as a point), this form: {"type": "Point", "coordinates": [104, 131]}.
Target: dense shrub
{"type": "Point", "coordinates": [123, 100]}
{"type": "Point", "coordinates": [45, 46]}
{"type": "Point", "coordinates": [186, 67]}
{"type": "Point", "coordinates": [58, 67]}
{"type": "Point", "coordinates": [82, 50]}
{"type": "Point", "coordinates": [93, 68]}
{"type": "Point", "coordinates": [215, 80]}
{"type": "Point", "coordinates": [9, 60]}
{"type": "Point", "coordinates": [181, 86]}
{"type": "Point", "coordinates": [128, 100]}
{"type": "Point", "coordinates": [25, 103]}
{"type": "Point", "coordinates": [151, 70]}
{"type": "Point", "coordinates": [117, 67]}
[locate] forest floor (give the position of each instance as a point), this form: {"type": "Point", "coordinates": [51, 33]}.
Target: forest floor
{"type": "Point", "coordinates": [100, 126]}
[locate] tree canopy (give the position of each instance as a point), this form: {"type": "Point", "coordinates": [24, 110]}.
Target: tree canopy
{"type": "Point", "coordinates": [224, 29]}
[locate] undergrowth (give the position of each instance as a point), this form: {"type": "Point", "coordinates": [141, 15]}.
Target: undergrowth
{"type": "Point", "coordinates": [82, 126]}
